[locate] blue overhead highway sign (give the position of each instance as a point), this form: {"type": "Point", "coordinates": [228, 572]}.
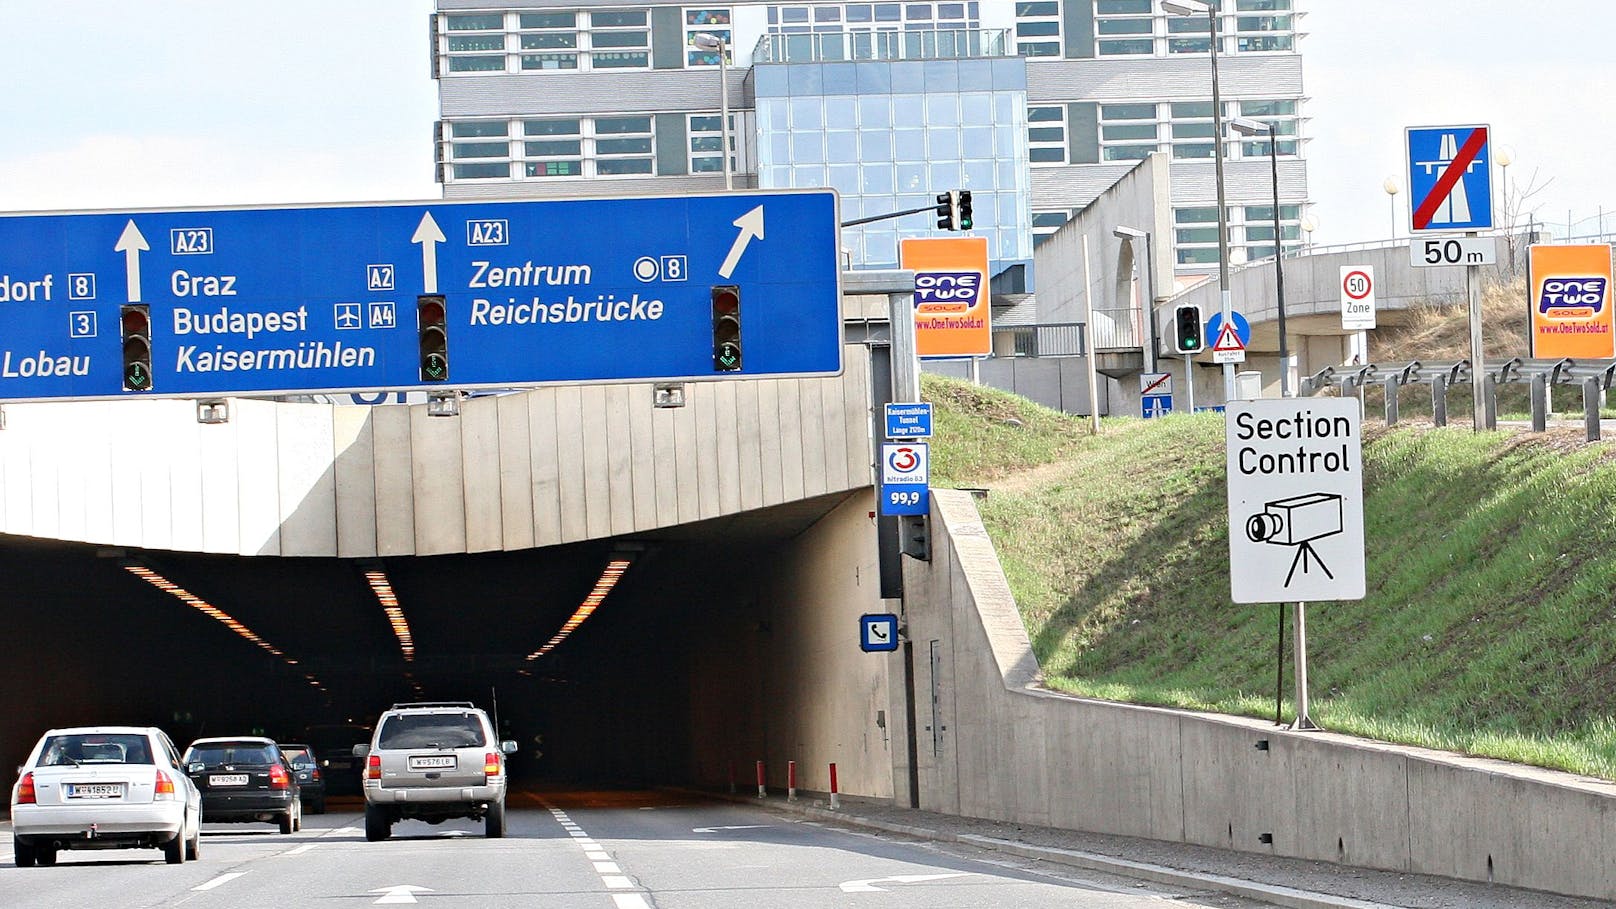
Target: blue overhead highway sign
{"type": "Point", "coordinates": [419, 296]}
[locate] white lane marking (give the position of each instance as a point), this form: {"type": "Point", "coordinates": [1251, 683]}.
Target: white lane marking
{"type": "Point", "coordinates": [736, 827]}
{"type": "Point", "coordinates": [611, 873]}
{"type": "Point", "coordinates": [219, 881]}
{"type": "Point", "coordinates": [579, 833]}
{"type": "Point", "coordinates": [616, 881]}
{"type": "Point", "coordinates": [301, 849]}
{"type": "Point", "coordinates": [399, 893]}
{"type": "Point", "coordinates": [608, 867]}
{"type": "Point", "coordinates": [595, 855]}
{"type": "Point", "coordinates": [341, 831]}
{"type": "Point", "coordinates": [630, 901]}
{"type": "Point", "coordinates": [864, 886]}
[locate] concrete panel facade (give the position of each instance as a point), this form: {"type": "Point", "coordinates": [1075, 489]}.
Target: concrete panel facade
{"type": "Point", "coordinates": [1020, 753]}
{"type": "Point", "coordinates": [536, 468]}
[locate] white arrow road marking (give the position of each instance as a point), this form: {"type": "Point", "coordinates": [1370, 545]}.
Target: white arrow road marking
{"type": "Point", "coordinates": [132, 244]}
{"type": "Point", "coordinates": [751, 225]}
{"type": "Point", "coordinates": [341, 831]}
{"type": "Point", "coordinates": [400, 893]}
{"type": "Point", "coordinates": [429, 236]}
{"type": "Point", "coordinates": [221, 879]}
{"type": "Point", "coordinates": [737, 827]}
{"type": "Point", "coordinates": [864, 886]}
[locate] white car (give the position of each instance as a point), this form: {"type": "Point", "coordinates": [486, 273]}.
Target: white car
{"type": "Point", "coordinates": [104, 787]}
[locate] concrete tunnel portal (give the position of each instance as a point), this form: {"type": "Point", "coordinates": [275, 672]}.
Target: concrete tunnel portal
{"type": "Point", "coordinates": [664, 677]}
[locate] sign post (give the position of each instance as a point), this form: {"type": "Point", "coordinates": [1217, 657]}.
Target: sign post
{"type": "Point", "coordinates": [1357, 297]}
{"type": "Point", "coordinates": [419, 296]}
{"type": "Point", "coordinates": [1296, 526]}
{"type": "Point", "coordinates": [1450, 189]}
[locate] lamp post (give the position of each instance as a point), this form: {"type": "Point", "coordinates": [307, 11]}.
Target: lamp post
{"type": "Point", "coordinates": [710, 41]}
{"type": "Point", "coordinates": [1390, 186]}
{"type": "Point", "coordinates": [1197, 8]}
{"type": "Point", "coordinates": [1255, 128]}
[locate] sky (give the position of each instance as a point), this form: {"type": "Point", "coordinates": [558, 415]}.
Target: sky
{"type": "Point", "coordinates": [113, 104]}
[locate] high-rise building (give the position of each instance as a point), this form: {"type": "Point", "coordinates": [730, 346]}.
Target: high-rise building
{"type": "Point", "coordinates": [1036, 106]}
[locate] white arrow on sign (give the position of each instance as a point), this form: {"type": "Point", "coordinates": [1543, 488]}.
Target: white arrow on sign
{"type": "Point", "coordinates": [751, 225]}
{"type": "Point", "coordinates": [132, 244]}
{"type": "Point", "coordinates": [429, 236]}
{"type": "Point", "coordinates": [399, 893]}
{"type": "Point", "coordinates": [737, 827]}
{"type": "Point", "coordinates": [866, 886]}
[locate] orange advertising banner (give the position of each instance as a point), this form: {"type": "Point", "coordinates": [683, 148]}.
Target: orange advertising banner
{"type": "Point", "coordinates": [1569, 295]}
{"type": "Point", "coordinates": [951, 295]}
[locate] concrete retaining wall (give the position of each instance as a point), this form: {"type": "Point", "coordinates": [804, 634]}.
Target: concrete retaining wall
{"type": "Point", "coordinates": [1015, 752]}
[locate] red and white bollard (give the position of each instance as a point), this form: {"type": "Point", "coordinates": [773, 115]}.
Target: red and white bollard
{"type": "Point", "coordinates": [762, 792]}
{"type": "Point", "coordinates": [835, 801]}
{"type": "Point", "coordinates": [791, 781]}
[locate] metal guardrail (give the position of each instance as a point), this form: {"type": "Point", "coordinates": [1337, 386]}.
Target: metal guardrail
{"type": "Point", "coordinates": [1595, 377]}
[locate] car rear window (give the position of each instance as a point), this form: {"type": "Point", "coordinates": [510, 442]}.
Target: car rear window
{"type": "Point", "coordinates": [214, 755]}
{"type": "Point", "coordinates": [297, 757]}
{"type": "Point", "coordinates": [431, 730]}
{"type": "Point", "coordinates": [99, 748]}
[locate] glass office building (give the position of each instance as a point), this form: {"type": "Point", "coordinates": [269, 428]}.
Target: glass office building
{"type": "Point", "coordinates": [1036, 107]}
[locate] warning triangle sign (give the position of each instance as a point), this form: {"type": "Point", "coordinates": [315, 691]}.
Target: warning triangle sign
{"type": "Point", "coordinates": [1228, 340]}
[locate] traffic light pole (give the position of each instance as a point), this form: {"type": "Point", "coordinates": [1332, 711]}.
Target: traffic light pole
{"type": "Point", "coordinates": [888, 215]}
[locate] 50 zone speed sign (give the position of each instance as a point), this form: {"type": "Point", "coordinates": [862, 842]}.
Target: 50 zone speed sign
{"type": "Point", "coordinates": [1357, 297]}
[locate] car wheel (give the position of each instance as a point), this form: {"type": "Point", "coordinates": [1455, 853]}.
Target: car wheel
{"type": "Point", "coordinates": [174, 849]}
{"type": "Point", "coordinates": [45, 855]}
{"type": "Point", "coordinates": [494, 822]}
{"type": "Point", "coordinates": [377, 826]}
{"type": "Point", "coordinates": [26, 854]}
{"type": "Point", "coordinates": [285, 822]}
{"type": "Point", "coordinates": [193, 849]}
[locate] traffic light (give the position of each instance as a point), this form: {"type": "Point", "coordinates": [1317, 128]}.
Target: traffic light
{"type": "Point", "coordinates": [962, 220]}
{"type": "Point", "coordinates": [135, 326]}
{"type": "Point", "coordinates": [948, 210]}
{"type": "Point", "coordinates": [431, 320]}
{"type": "Point", "coordinates": [726, 328]}
{"type": "Point", "coordinates": [1187, 330]}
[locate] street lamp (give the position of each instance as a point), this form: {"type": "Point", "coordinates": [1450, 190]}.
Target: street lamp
{"type": "Point", "coordinates": [1390, 186]}
{"type": "Point", "coordinates": [1256, 128]}
{"type": "Point", "coordinates": [712, 42]}
{"type": "Point", "coordinates": [1197, 8]}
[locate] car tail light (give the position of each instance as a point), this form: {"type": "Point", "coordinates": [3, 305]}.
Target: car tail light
{"type": "Point", "coordinates": [491, 764]}
{"type": "Point", "coordinates": [165, 787]}
{"type": "Point", "coordinates": [373, 767]}
{"type": "Point", "coordinates": [25, 790]}
{"type": "Point", "coordinates": [314, 773]}
{"type": "Point", "coordinates": [278, 778]}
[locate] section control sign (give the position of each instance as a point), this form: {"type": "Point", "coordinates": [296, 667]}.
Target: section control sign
{"type": "Point", "coordinates": [445, 295]}
{"type": "Point", "coordinates": [1296, 526]}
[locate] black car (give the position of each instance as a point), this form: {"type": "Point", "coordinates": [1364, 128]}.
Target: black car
{"type": "Point", "coordinates": [306, 767]}
{"type": "Point", "coordinates": [245, 778]}
{"type": "Point", "coordinates": [334, 744]}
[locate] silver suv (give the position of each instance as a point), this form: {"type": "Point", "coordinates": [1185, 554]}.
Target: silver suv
{"type": "Point", "coordinates": [431, 762]}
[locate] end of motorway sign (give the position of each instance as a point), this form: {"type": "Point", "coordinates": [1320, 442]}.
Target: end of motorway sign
{"type": "Point", "coordinates": [328, 299]}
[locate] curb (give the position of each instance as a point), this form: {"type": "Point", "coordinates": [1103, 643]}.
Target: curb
{"type": "Point", "coordinates": [1160, 874]}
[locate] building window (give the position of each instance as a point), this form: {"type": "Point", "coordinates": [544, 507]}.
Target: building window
{"type": "Point", "coordinates": [1255, 34]}
{"type": "Point", "coordinates": [1038, 29]}
{"type": "Point", "coordinates": [479, 150]}
{"type": "Point", "coordinates": [1046, 134]}
{"type": "Point", "coordinates": [1128, 132]}
{"type": "Point", "coordinates": [1188, 35]}
{"type": "Point", "coordinates": [549, 40]}
{"type": "Point", "coordinates": [1280, 114]}
{"type": "Point", "coordinates": [1124, 28]}
{"type": "Point", "coordinates": [706, 144]}
{"type": "Point", "coordinates": [1045, 223]}
{"type": "Point", "coordinates": [475, 43]}
{"type": "Point", "coordinates": [552, 148]}
{"type": "Point", "coordinates": [624, 146]}
{"type": "Point", "coordinates": [712, 22]}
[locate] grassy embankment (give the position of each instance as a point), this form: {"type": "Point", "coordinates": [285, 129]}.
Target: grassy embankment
{"type": "Point", "coordinates": [1490, 621]}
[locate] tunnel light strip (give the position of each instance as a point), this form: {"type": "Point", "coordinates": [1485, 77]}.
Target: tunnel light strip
{"type": "Point", "coordinates": [383, 588]}
{"type": "Point", "coordinates": [211, 611]}
{"type": "Point", "coordinates": [603, 586]}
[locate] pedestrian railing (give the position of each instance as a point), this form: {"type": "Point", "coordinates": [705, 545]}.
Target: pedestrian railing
{"type": "Point", "coordinates": [1594, 376]}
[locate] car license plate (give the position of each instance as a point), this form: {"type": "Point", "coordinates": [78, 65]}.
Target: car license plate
{"type": "Point", "coordinates": [95, 790]}
{"type": "Point", "coordinates": [228, 779]}
{"type": "Point", "coordinates": [433, 762]}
